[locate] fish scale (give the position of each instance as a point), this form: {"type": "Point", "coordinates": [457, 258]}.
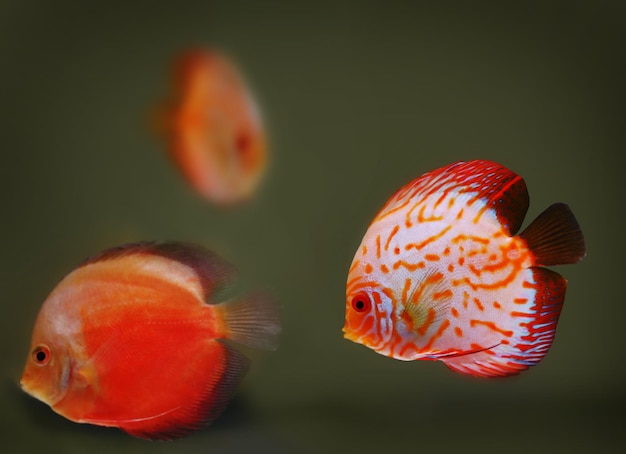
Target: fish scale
{"type": "Point", "coordinates": [446, 280]}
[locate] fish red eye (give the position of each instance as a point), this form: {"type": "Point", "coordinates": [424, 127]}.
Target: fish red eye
{"type": "Point", "coordinates": [361, 302]}
{"type": "Point", "coordinates": [41, 355]}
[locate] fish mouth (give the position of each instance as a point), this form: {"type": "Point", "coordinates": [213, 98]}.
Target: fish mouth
{"type": "Point", "coordinates": [24, 384]}
{"type": "Point", "coordinates": [24, 379]}
{"type": "Point", "coordinates": [31, 385]}
{"type": "Point", "coordinates": [347, 334]}
{"type": "Point", "coordinates": [38, 394]}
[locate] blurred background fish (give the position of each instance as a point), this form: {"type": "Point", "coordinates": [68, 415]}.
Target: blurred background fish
{"type": "Point", "coordinates": [128, 340]}
{"type": "Point", "coordinates": [213, 128]}
{"type": "Point", "coordinates": [441, 275]}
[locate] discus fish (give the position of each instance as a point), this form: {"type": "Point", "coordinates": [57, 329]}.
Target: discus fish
{"type": "Point", "coordinates": [128, 340]}
{"type": "Point", "coordinates": [213, 128]}
{"type": "Point", "coordinates": [441, 275]}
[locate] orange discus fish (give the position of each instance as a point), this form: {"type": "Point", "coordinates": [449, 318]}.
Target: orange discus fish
{"type": "Point", "coordinates": [440, 275]}
{"type": "Point", "coordinates": [214, 130]}
{"type": "Point", "coordinates": [128, 340]}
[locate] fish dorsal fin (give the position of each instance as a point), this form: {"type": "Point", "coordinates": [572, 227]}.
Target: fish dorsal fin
{"type": "Point", "coordinates": [501, 189]}
{"type": "Point", "coordinates": [213, 272]}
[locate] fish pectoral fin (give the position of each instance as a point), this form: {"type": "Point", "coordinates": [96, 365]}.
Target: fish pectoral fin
{"type": "Point", "coordinates": [86, 376]}
{"type": "Point", "coordinates": [427, 301]}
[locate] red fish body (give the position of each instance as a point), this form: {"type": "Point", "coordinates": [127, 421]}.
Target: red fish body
{"type": "Point", "coordinates": [441, 275]}
{"type": "Point", "coordinates": [214, 129]}
{"type": "Point", "coordinates": [127, 340]}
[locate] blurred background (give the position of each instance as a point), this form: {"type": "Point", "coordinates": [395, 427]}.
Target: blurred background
{"type": "Point", "coordinates": [359, 97]}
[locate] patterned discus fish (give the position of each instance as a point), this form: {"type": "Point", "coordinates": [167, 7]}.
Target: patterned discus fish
{"type": "Point", "coordinates": [213, 128]}
{"type": "Point", "coordinates": [127, 340]}
{"type": "Point", "coordinates": [440, 275]}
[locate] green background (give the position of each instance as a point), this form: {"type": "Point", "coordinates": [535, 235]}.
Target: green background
{"type": "Point", "coordinates": [358, 98]}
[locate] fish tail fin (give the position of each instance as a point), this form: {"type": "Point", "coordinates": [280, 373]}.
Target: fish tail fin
{"type": "Point", "coordinates": [554, 237]}
{"type": "Point", "coordinates": [533, 324]}
{"type": "Point", "coordinates": [253, 320]}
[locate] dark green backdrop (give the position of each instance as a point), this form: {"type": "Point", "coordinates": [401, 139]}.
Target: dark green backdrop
{"type": "Point", "coordinates": [359, 98]}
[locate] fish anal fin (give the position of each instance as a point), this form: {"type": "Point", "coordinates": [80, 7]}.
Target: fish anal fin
{"type": "Point", "coordinates": [554, 237]}
{"type": "Point", "coordinates": [486, 364]}
{"type": "Point", "coordinates": [538, 333]}
{"type": "Point", "coordinates": [202, 408]}
{"type": "Point", "coordinates": [530, 343]}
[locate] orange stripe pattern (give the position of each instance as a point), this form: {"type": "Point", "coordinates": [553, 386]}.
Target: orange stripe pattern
{"type": "Point", "coordinates": [440, 265]}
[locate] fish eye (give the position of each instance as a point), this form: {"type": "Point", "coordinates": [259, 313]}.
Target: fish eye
{"type": "Point", "coordinates": [41, 355]}
{"type": "Point", "coordinates": [361, 302]}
